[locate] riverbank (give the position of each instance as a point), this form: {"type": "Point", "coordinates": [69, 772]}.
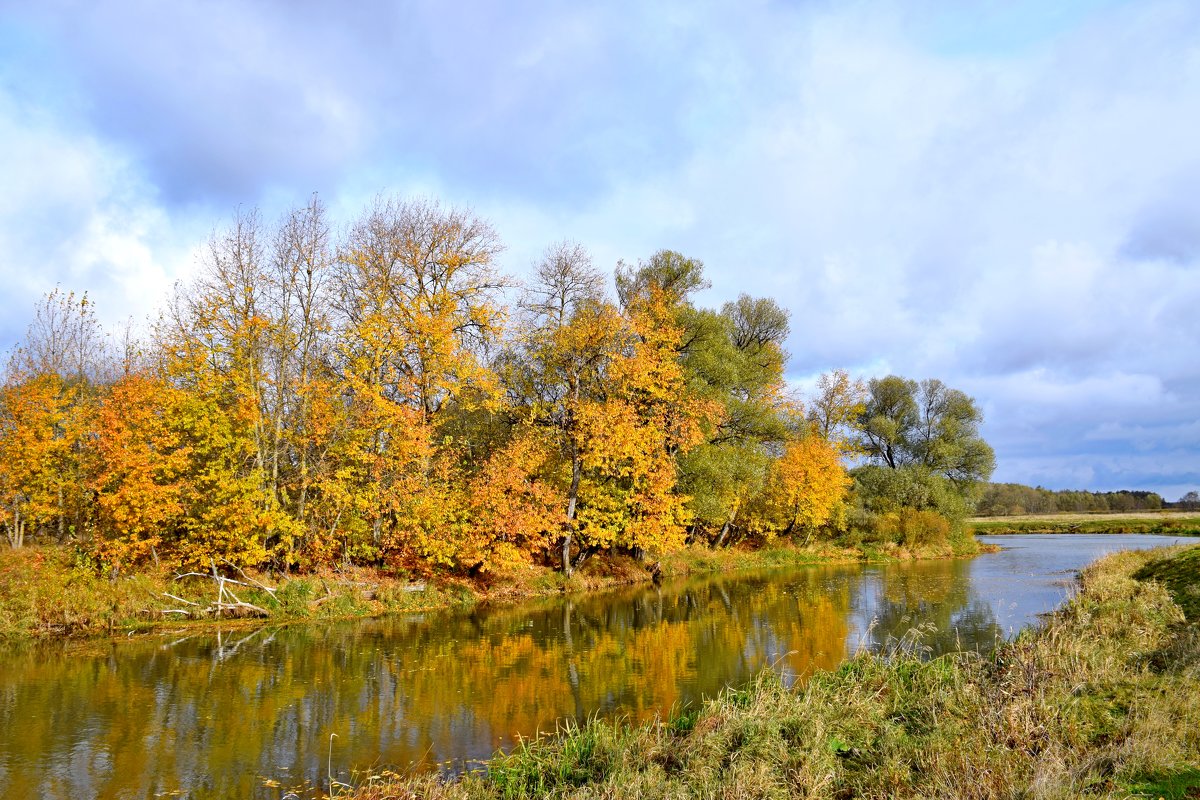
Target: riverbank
{"type": "Point", "coordinates": [1102, 700]}
{"type": "Point", "coordinates": [1176, 523]}
{"type": "Point", "coordinates": [53, 592]}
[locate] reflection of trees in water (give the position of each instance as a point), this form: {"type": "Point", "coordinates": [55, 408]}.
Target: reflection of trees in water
{"type": "Point", "coordinates": [216, 713]}
{"type": "Point", "coordinates": [931, 604]}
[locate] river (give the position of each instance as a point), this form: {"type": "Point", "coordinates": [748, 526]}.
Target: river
{"type": "Point", "coordinates": [255, 713]}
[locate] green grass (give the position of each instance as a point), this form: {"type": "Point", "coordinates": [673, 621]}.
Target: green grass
{"type": "Point", "coordinates": [1180, 575]}
{"type": "Point", "coordinates": [1101, 701]}
{"type": "Point", "coordinates": [1179, 786]}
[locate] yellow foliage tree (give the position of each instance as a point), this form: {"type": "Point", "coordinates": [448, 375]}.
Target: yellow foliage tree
{"type": "Point", "coordinates": [39, 424]}
{"type": "Point", "coordinates": [630, 440]}
{"type": "Point", "coordinates": [805, 489]}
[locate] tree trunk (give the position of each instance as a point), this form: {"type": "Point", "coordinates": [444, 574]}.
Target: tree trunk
{"type": "Point", "coordinates": [572, 501]}
{"type": "Point", "coordinates": [566, 554]}
{"type": "Point", "coordinates": [16, 531]}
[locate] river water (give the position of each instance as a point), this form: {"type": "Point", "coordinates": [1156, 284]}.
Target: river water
{"type": "Point", "coordinates": [255, 713]}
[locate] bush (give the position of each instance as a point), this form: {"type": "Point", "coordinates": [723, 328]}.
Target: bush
{"type": "Point", "coordinates": [881, 490]}
{"type": "Point", "coordinates": [910, 527]}
{"type": "Point", "coordinates": [924, 528]}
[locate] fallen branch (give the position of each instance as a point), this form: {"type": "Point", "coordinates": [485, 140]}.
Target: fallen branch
{"type": "Point", "coordinates": [213, 578]}
{"type": "Point", "coordinates": [226, 600]}
{"type": "Point", "coordinates": [252, 581]}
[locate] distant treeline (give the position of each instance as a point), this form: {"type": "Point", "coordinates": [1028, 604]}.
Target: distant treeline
{"type": "Point", "coordinates": [1006, 499]}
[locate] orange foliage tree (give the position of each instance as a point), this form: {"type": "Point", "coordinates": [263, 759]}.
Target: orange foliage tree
{"type": "Point", "coordinates": [140, 468]}
{"type": "Point", "coordinates": [38, 425]}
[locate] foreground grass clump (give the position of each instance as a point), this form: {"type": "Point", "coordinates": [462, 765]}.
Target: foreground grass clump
{"type": "Point", "coordinates": [1102, 701]}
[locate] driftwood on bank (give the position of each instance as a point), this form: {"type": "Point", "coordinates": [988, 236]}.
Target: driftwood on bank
{"type": "Point", "coordinates": [226, 602]}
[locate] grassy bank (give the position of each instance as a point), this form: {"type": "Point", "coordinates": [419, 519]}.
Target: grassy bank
{"type": "Point", "coordinates": [1164, 522]}
{"type": "Point", "coordinates": [1102, 701]}
{"type": "Point", "coordinates": [53, 591]}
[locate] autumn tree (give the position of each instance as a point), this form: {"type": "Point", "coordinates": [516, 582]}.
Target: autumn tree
{"type": "Point", "coordinates": [35, 455]}
{"type": "Point", "coordinates": [629, 441]}
{"type": "Point", "coordinates": [230, 341]}
{"type": "Point", "coordinates": [559, 366]}
{"type": "Point", "coordinates": [141, 466]}
{"type": "Point", "coordinates": [514, 507]}
{"type": "Point", "coordinates": [836, 406]}
{"type": "Point", "coordinates": [300, 269]}
{"type": "Point", "coordinates": [418, 309]}
{"type": "Point", "coordinates": [804, 490]}
{"type": "Point", "coordinates": [418, 294]}
{"type": "Point", "coordinates": [53, 380]}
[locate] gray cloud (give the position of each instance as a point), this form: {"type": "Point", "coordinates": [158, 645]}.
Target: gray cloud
{"type": "Point", "coordinates": [219, 99]}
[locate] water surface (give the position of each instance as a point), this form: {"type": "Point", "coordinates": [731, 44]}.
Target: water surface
{"type": "Point", "coordinates": [250, 713]}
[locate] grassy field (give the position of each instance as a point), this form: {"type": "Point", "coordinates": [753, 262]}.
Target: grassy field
{"type": "Point", "coordinates": [1164, 522]}
{"type": "Point", "coordinates": [1103, 700]}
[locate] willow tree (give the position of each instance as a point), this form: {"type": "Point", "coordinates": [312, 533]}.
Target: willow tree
{"type": "Point", "coordinates": [923, 446]}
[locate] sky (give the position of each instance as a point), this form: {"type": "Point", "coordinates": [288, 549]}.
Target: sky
{"type": "Point", "coordinates": [1001, 195]}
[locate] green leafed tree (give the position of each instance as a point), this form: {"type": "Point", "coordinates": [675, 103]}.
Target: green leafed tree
{"type": "Point", "coordinates": [923, 447]}
{"type": "Point", "coordinates": [905, 423]}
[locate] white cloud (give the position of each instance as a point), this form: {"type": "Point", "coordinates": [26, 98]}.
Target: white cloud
{"type": "Point", "coordinates": [74, 213]}
{"type": "Point", "coordinates": [1010, 210]}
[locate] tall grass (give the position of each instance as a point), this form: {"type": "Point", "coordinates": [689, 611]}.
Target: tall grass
{"type": "Point", "coordinates": [52, 591]}
{"type": "Point", "coordinates": [1103, 700]}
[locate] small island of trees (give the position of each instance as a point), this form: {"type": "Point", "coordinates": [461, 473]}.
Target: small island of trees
{"type": "Point", "coordinates": [379, 397]}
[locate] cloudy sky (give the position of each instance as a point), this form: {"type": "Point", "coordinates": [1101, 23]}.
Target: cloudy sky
{"type": "Point", "coordinates": [1003, 194]}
